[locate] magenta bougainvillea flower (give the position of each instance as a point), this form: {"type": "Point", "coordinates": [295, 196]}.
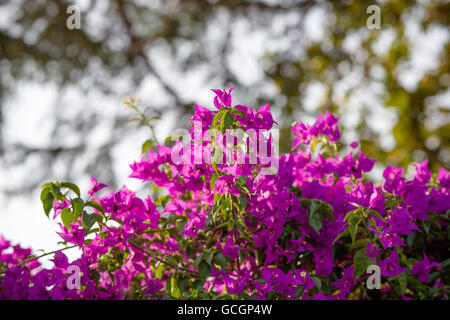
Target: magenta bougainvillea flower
{"type": "Point", "coordinates": [230, 249]}
{"type": "Point", "coordinates": [96, 187]}
{"type": "Point", "coordinates": [390, 239]}
{"type": "Point", "coordinates": [75, 236]}
{"type": "Point", "coordinates": [390, 267]}
{"type": "Point", "coordinates": [346, 282]}
{"type": "Point", "coordinates": [422, 268]}
{"type": "Point", "coordinates": [223, 98]}
{"type": "Point", "coordinates": [226, 229]}
{"type": "Point", "coordinates": [372, 250]}
{"type": "Point", "coordinates": [227, 185]}
{"type": "Point", "coordinates": [303, 133]}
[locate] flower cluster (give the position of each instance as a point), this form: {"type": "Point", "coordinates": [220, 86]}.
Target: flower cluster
{"type": "Point", "coordinates": [226, 229]}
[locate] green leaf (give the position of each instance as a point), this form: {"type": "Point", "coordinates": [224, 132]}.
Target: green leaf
{"type": "Point", "coordinates": [410, 239]}
{"type": "Point", "coordinates": [239, 112]}
{"type": "Point", "coordinates": [242, 181]}
{"type": "Point", "coordinates": [168, 287]}
{"type": "Point", "coordinates": [225, 205]}
{"type": "Point", "coordinates": [246, 189]}
{"type": "Point", "coordinates": [359, 244]}
{"type": "Point", "coordinates": [328, 211]}
{"type": "Point", "coordinates": [313, 144]}
{"type": "Point", "coordinates": [163, 200]}
{"type": "Point", "coordinates": [317, 281]}
{"type": "Point", "coordinates": [228, 120]}
{"type": "Point", "coordinates": [209, 257]}
{"type": "Point", "coordinates": [153, 119]}
{"type": "Point", "coordinates": [93, 231]}
{"type": "Point", "coordinates": [175, 291]}
{"type": "Point", "coordinates": [47, 200]}
{"type": "Point", "coordinates": [71, 186]}
{"type": "Point", "coordinates": [353, 226]}
{"type": "Point", "coordinates": [88, 220]}
{"type": "Point", "coordinates": [198, 260]}
{"type": "Point", "coordinates": [242, 201]}
{"type": "Point", "coordinates": [224, 121]}
{"type": "Point", "coordinates": [218, 116]}
{"type": "Point", "coordinates": [183, 283]}
{"type": "Point", "coordinates": [299, 291]}
{"type": "Point", "coordinates": [305, 202]}
{"type": "Point", "coordinates": [133, 119]}
{"type": "Point", "coordinates": [375, 213]}
{"type": "Point", "coordinates": [77, 205]}
{"type": "Point", "coordinates": [315, 218]}
{"type": "Point", "coordinates": [427, 227]}
{"type": "Point", "coordinates": [214, 177]}
{"type": "Point", "coordinates": [341, 235]}
{"type": "Point", "coordinates": [220, 259]}
{"type": "Point", "coordinates": [159, 271]}
{"type": "Point", "coordinates": [204, 269]}
{"type": "Point", "coordinates": [350, 213]}
{"type": "Point", "coordinates": [361, 261]}
{"type": "Point", "coordinates": [55, 190]}
{"type": "Point", "coordinates": [372, 223]}
{"type": "Point", "coordinates": [46, 185]}
{"type": "Point", "coordinates": [313, 207]}
{"type": "Point", "coordinates": [445, 263]}
{"type": "Point", "coordinates": [146, 146]}
{"type": "Point", "coordinates": [214, 166]}
{"type": "Point", "coordinates": [230, 225]}
{"type": "Point", "coordinates": [67, 217]}
{"type": "Point", "coordinates": [403, 282]}
{"type": "Point", "coordinates": [316, 222]}
{"type": "Point", "coordinates": [172, 137]}
{"type": "Point", "coordinates": [358, 206]}
{"type": "Point", "coordinates": [95, 205]}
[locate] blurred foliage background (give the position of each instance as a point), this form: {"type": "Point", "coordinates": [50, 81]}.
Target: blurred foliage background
{"type": "Point", "coordinates": [390, 86]}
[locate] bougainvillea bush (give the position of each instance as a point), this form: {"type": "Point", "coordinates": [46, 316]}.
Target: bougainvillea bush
{"type": "Point", "coordinates": [230, 230]}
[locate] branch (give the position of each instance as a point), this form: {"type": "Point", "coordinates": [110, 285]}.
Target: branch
{"type": "Point", "coordinates": [193, 273]}
{"type": "Point", "coordinates": [137, 46]}
{"type": "Point", "coordinates": [236, 5]}
{"type": "Point", "coordinates": [48, 253]}
{"type": "Point", "coordinates": [53, 151]}
{"type": "Point", "coordinates": [43, 255]}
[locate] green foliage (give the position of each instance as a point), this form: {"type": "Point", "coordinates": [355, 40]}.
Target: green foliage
{"type": "Point", "coordinates": [317, 211]}
{"type": "Point", "coordinates": [361, 261]}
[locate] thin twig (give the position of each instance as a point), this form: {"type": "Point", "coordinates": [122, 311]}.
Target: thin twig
{"type": "Point", "coordinates": [163, 261]}
{"type": "Point", "coordinates": [43, 255]}
{"type": "Point", "coordinates": [49, 253]}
